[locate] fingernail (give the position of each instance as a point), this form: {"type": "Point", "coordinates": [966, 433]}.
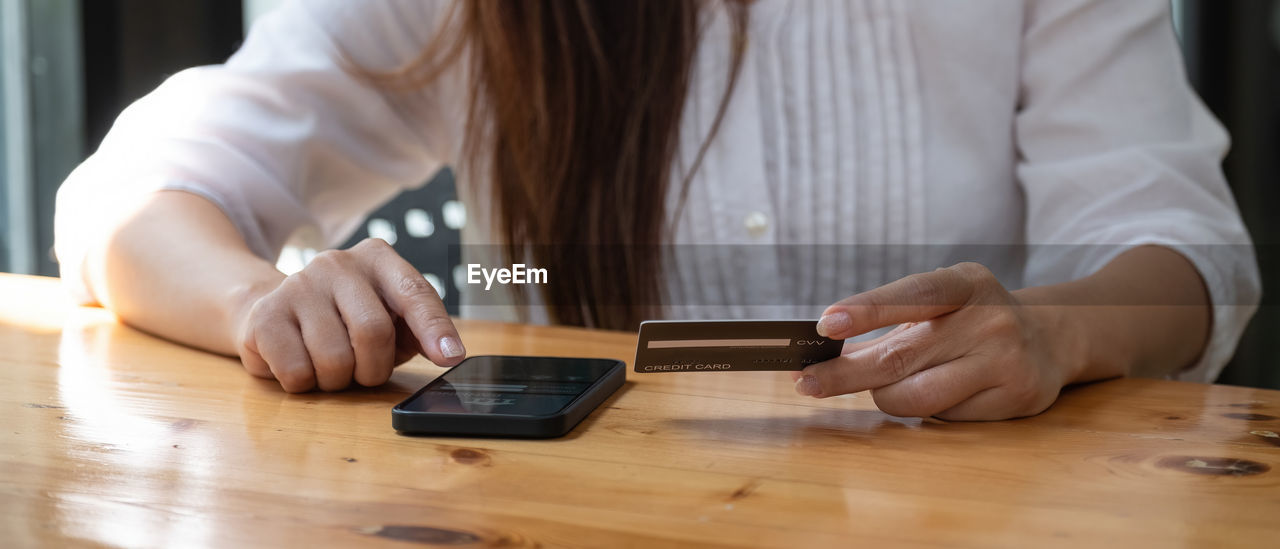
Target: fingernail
{"type": "Point", "coordinates": [451, 347]}
{"type": "Point", "coordinates": [808, 386]}
{"type": "Point", "coordinates": [834, 323]}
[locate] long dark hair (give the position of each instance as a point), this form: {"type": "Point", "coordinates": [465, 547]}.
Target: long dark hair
{"type": "Point", "coordinates": [575, 116]}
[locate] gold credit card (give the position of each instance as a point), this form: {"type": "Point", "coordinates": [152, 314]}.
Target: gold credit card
{"type": "Point", "coordinates": [731, 346]}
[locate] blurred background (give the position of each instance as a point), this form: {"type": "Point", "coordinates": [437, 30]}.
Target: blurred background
{"type": "Point", "coordinates": [68, 67]}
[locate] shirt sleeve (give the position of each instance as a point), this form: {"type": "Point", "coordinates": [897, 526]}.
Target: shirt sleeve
{"type": "Point", "coordinates": [1116, 151]}
{"type": "Point", "coordinates": [286, 137]}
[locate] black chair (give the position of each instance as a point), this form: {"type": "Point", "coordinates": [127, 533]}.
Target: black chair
{"type": "Point", "coordinates": [423, 226]}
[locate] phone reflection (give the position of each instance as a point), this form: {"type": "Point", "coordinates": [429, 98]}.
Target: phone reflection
{"type": "Point", "coordinates": [508, 385]}
{"type": "Point", "coordinates": [444, 399]}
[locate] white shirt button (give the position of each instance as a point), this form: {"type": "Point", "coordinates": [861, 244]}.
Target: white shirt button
{"type": "Point", "coordinates": [756, 223]}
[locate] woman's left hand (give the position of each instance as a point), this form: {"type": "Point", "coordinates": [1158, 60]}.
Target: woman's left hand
{"type": "Point", "coordinates": [965, 349]}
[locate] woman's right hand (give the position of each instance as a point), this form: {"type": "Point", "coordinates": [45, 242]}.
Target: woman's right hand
{"type": "Point", "coordinates": [349, 315]}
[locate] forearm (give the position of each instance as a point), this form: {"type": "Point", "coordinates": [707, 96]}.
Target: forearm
{"type": "Point", "coordinates": [179, 269]}
{"type": "Point", "coordinates": [1146, 313]}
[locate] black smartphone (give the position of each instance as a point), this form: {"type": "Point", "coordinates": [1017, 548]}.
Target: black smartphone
{"type": "Point", "coordinates": [510, 396]}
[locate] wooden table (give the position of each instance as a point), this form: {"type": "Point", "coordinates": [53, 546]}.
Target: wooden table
{"type": "Point", "coordinates": [113, 437]}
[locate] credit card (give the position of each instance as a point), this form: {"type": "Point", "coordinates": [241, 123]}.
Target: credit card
{"type": "Point", "coordinates": [731, 346]}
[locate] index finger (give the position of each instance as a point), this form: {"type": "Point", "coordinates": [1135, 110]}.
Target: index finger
{"type": "Point", "coordinates": [414, 299]}
{"type": "Point", "coordinates": [915, 298]}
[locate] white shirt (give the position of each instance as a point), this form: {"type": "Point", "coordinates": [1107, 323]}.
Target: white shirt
{"type": "Point", "coordinates": [866, 140]}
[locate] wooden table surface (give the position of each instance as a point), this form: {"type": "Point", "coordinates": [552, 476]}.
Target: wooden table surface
{"type": "Point", "coordinates": [112, 437]}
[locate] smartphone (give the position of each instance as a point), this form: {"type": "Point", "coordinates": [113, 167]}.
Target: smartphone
{"type": "Point", "coordinates": [510, 396]}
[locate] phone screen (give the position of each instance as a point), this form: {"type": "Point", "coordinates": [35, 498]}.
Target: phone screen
{"type": "Point", "coordinates": [535, 386]}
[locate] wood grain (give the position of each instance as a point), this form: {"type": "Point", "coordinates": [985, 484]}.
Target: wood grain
{"type": "Point", "coordinates": [113, 437]}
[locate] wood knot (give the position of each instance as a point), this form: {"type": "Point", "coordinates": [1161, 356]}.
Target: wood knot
{"type": "Point", "coordinates": [1270, 437]}
{"type": "Point", "coordinates": [745, 490]}
{"type": "Point", "coordinates": [468, 456]}
{"type": "Point", "coordinates": [421, 534]}
{"type": "Point", "coordinates": [183, 424]}
{"type": "Point", "coordinates": [1251, 417]}
{"type": "Point", "coordinates": [1214, 466]}
{"type": "Point", "coordinates": [349, 460]}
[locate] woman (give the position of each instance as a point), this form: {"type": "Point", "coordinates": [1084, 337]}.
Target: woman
{"type": "Point", "coordinates": [1056, 141]}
